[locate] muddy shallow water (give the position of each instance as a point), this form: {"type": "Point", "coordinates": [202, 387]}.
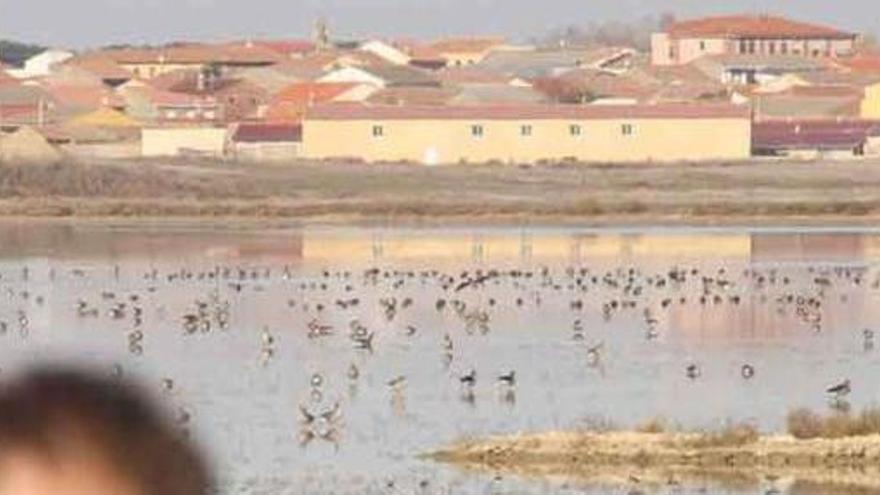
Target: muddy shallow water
{"type": "Point", "coordinates": [280, 319]}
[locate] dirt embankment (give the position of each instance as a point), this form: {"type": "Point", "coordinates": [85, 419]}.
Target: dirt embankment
{"type": "Point", "coordinates": [673, 458]}
{"type": "Point", "coordinates": [756, 192]}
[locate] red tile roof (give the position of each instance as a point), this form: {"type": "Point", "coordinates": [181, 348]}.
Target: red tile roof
{"type": "Point", "coordinates": [267, 133]}
{"type": "Point", "coordinates": [811, 134]}
{"type": "Point", "coordinates": [865, 62]}
{"type": "Point", "coordinates": [833, 90]}
{"type": "Point", "coordinates": [413, 96]}
{"type": "Point", "coordinates": [284, 47]}
{"type": "Point", "coordinates": [753, 26]}
{"type": "Point", "coordinates": [100, 66]}
{"type": "Point", "coordinates": [418, 51]}
{"type": "Point", "coordinates": [163, 98]}
{"type": "Point", "coordinates": [466, 45]}
{"type": "Point", "coordinates": [196, 53]}
{"type": "Point", "coordinates": [530, 112]}
{"type": "Point", "coordinates": [290, 104]}
{"type": "Point", "coordinates": [312, 92]}
{"type": "Point", "coordinates": [18, 112]}
{"type": "Point", "coordinates": [84, 97]}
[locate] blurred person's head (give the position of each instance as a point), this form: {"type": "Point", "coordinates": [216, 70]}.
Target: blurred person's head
{"type": "Point", "coordinates": [69, 433]}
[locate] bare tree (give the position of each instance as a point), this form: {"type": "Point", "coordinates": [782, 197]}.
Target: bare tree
{"type": "Point", "coordinates": [636, 34]}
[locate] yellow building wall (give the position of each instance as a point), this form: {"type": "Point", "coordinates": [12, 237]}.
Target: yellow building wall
{"type": "Point", "coordinates": [690, 49]}
{"type": "Point", "coordinates": [175, 141]}
{"type": "Point", "coordinates": [451, 141]}
{"type": "Point", "coordinates": [668, 51]}
{"type": "Point", "coordinates": [870, 108]}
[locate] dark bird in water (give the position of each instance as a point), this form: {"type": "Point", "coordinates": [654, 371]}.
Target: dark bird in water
{"type": "Point", "coordinates": [747, 371]}
{"type": "Point", "coordinates": [364, 342]}
{"type": "Point", "coordinates": [840, 390]}
{"type": "Point", "coordinates": [469, 379]}
{"type": "Point", "coordinates": [508, 378]}
{"type": "Point", "coordinates": [594, 354]}
{"type": "Point", "coordinates": [307, 417]}
{"type": "Point", "coordinates": [332, 414]}
{"type": "Point", "coordinates": [693, 371]}
{"type": "Point", "coordinates": [397, 382]}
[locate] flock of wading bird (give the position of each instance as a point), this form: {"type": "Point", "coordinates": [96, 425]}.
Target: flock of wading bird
{"type": "Point", "coordinates": [468, 300]}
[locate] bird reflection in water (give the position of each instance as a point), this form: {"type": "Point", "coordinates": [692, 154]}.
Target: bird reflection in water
{"type": "Point", "coordinates": [319, 421]}
{"type": "Point", "coordinates": [397, 385]}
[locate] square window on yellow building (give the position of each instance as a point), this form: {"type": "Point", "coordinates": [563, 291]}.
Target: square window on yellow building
{"type": "Point", "coordinates": [477, 131]}
{"type": "Point", "coordinates": [525, 130]}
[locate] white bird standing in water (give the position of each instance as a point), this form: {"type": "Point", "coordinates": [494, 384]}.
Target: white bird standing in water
{"type": "Point", "coordinates": [268, 347]}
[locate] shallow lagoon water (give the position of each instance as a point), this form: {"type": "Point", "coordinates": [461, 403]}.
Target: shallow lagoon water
{"type": "Point", "coordinates": [244, 395]}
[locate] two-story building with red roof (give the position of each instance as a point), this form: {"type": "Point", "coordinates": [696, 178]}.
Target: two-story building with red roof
{"type": "Point", "coordinates": [764, 35]}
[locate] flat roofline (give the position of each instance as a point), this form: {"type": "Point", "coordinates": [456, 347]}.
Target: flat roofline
{"type": "Point", "coordinates": [780, 36]}
{"type": "Point", "coordinates": [527, 112]}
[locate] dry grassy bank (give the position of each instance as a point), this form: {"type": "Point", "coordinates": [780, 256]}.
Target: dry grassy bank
{"type": "Point", "coordinates": [840, 449]}
{"type": "Point", "coordinates": [664, 458]}
{"type": "Point", "coordinates": [763, 191]}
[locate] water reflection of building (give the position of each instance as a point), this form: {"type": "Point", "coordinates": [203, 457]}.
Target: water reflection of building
{"type": "Point", "coordinates": [189, 243]}
{"type": "Point", "coordinates": [162, 242]}
{"type": "Point", "coordinates": [810, 246]}
{"type": "Point", "coordinates": [513, 246]}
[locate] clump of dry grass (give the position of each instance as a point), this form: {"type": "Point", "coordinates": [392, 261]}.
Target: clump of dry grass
{"type": "Point", "coordinates": [805, 424]}
{"type": "Point", "coordinates": [653, 426]}
{"type": "Point", "coordinates": [733, 435]}
{"type": "Point", "coordinates": [596, 424]}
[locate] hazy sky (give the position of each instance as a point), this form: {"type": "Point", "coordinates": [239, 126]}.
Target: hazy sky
{"type": "Point", "coordinates": [82, 23]}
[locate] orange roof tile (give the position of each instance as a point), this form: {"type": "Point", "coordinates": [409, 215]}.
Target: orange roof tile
{"type": "Point", "coordinates": [160, 97]}
{"type": "Point", "coordinates": [753, 26]}
{"type": "Point", "coordinates": [100, 66]}
{"type": "Point", "coordinates": [290, 104]}
{"type": "Point", "coordinates": [413, 96]}
{"type": "Point", "coordinates": [865, 62]}
{"type": "Point", "coordinates": [418, 51]}
{"type": "Point", "coordinates": [466, 44]}
{"type": "Point", "coordinates": [81, 96]}
{"type": "Point", "coordinates": [195, 53]}
{"type": "Point", "coordinates": [312, 91]}
{"type": "Point", "coordinates": [284, 47]}
{"type": "Point", "coordinates": [840, 90]}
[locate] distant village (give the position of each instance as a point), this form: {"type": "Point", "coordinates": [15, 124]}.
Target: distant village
{"type": "Point", "coordinates": [721, 88]}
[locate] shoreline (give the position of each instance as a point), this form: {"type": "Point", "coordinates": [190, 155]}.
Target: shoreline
{"type": "Point", "coordinates": [659, 458]}
{"type": "Point", "coordinates": [236, 215]}
{"type": "Point", "coordinates": [759, 193]}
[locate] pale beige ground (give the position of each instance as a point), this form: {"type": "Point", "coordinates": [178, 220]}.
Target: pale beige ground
{"type": "Point", "coordinates": [657, 459]}
{"type": "Point", "coordinates": [755, 192]}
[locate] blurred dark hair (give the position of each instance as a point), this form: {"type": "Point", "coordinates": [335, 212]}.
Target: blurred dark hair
{"type": "Point", "coordinates": [55, 413]}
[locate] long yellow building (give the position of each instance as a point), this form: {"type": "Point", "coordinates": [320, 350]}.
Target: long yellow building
{"type": "Point", "coordinates": [528, 134]}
